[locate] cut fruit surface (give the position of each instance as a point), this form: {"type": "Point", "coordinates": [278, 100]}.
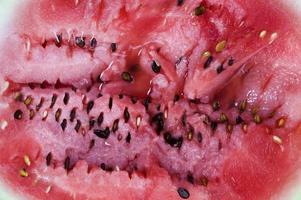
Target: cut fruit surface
{"type": "Point", "coordinates": [150, 99]}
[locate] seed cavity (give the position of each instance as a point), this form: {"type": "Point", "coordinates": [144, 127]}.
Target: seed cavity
{"type": "Point", "coordinates": [220, 46]}
{"type": "Point", "coordinates": [128, 137]}
{"type": "Point", "coordinates": [93, 43]}
{"type": "Point", "coordinates": [66, 98]}
{"type": "Point", "coordinates": [77, 125]}
{"type": "Point", "coordinates": [230, 61]}
{"type": "Point", "coordinates": [158, 121]}
{"type": "Point", "coordinates": [91, 123]}
{"type": "Point", "coordinates": [180, 2]}
{"type": "Point", "coordinates": [27, 160]}
{"type": "Point", "coordinates": [104, 134]}
{"type": "Point", "coordinates": [200, 10]}
{"type": "Point", "coordinates": [200, 137]}
{"type": "Point", "coordinates": [183, 193]}
{"type": "Point", "coordinates": [220, 69]}
{"type": "Point", "coordinates": [204, 181]}
{"type": "Point", "coordinates": [113, 47]}
{"type": "Point", "coordinates": [48, 158]}
{"type": "Point", "coordinates": [126, 115]}
{"type": "Point", "coordinates": [80, 42]}
{"type": "Point", "coordinates": [239, 120]}
{"type": "Point", "coordinates": [90, 106]}
{"type": "Point", "coordinates": [67, 163]}
{"type": "Point", "coordinates": [64, 124]}
{"type": "Point", "coordinates": [23, 173]}
{"type": "Point", "coordinates": [175, 142]}
{"type": "Point", "coordinates": [155, 67]}
{"type": "Point", "coordinates": [18, 114]}
{"type": "Point", "coordinates": [53, 100]}
{"type": "Point", "coordinates": [126, 76]}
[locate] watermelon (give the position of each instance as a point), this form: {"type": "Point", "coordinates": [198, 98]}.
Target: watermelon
{"type": "Point", "coordinates": [143, 99]}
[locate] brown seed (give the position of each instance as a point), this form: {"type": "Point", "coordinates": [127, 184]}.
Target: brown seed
{"type": "Point", "coordinates": [28, 100]}
{"type": "Point", "coordinates": [31, 114]}
{"type": "Point", "coordinates": [126, 115]}
{"type": "Point", "coordinates": [220, 46]}
{"type": "Point", "coordinates": [242, 106]}
{"type": "Point", "coordinates": [58, 114]}
{"type": "Point", "coordinates": [216, 105]}
{"type": "Point", "coordinates": [64, 124]}
{"type": "Point", "coordinates": [229, 128]}
{"type": "Point", "coordinates": [204, 181]}
{"type": "Point", "coordinates": [115, 125]}
{"type": "Point", "coordinates": [23, 173]}
{"type": "Point", "coordinates": [19, 96]}
{"type": "Point", "coordinates": [66, 98]}
{"type": "Point", "coordinates": [280, 123]}
{"type": "Point", "coordinates": [257, 119]}
{"type": "Point", "coordinates": [190, 135]}
{"type": "Point", "coordinates": [223, 118]}
{"type": "Point", "coordinates": [200, 10]}
{"type": "Point", "coordinates": [244, 128]}
{"type": "Point", "coordinates": [126, 76]}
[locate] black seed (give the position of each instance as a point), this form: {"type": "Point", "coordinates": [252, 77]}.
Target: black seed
{"type": "Point", "coordinates": [195, 101]}
{"type": "Point", "coordinates": [158, 107]}
{"type": "Point", "coordinates": [80, 42]}
{"type": "Point", "coordinates": [67, 163]}
{"type": "Point", "coordinates": [184, 119]}
{"type": "Point", "coordinates": [31, 114]}
{"type": "Point", "coordinates": [239, 119]}
{"type": "Point", "coordinates": [102, 133]}
{"type": "Point", "coordinates": [39, 106]}
{"type": "Point", "coordinates": [204, 181]}
{"type": "Point", "coordinates": [158, 120]}
{"type": "Point", "coordinates": [44, 44]}
{"type": "Point", "coordinates": [155, 67]}
{"type": "Point", "coordinates": [128, 138]}
{"type": "Point", "coordinates": [48, 158]}
{"type": "Point", "coordinates": [183, 193]}
{"type": "Point", "coordinates": [134, 100]}
{"type": "Point", "coordinates": [58, 114]}
{"type": "Point", "coordinates": [100, 119]}
{"type": "Point", "coordinates": [208, 62]}
{"type": "Point", "coordinates": [91, 123]}
{"type": "Point", "coordinates": [92, 143]}
{"type": "Point", "coordinates": [72, 114]}
{"type": "Point", "coordinates": [173, 141]}
{"type": "Point", "coordinates": [66, 98]}
{"type": "Point", "coordinates": [93, 43]}
{"type": "Point", "coordinates": [103, 166]}
{"type": "Point", "coordinates": [213, 125]}
{"type": "Point", "coordinates": [146, 102]}
{"type": "Point", "coordinates": [115, 125]}
{"type": "Point", "coordinates": [113, 47]}
{"type": "Point", "coordinates": [53, 100]}
{"type": "Point", "coordinates": [64, 124]}
{"type": "Point", "coordinates": [176, 98]}
{"type": "Point", "coordinates": [120, 96]}
{"type": "Point", "coordinates": [110, 103]}
{"type": "Point", "coordinates": [200, 10]}
{"type": "Point", "coordinates": [77, 125]}
{"type": "Point", "coordinates": [220, 68]}
{"type": "Point", "coordinates": [216, 105]}
{"type": "Point", "coordinates": [126, 76]}
{"type": "Point", "coordinates": [90, 106]}
{"type": "Point", "coordinates": [180, 2]}
{"type": "Point", "coordinates": [190, 178]}
{"type": "Point", "coordinates": [200, 137]}
{"type": "Point", "coordinates": [58, 40]}
{"type": "Point", "coordinates": [18, 114]}
{"type": "Point", "coordinates": [126, 115]}
{"type": "Point", "coordinates": [231, 62]}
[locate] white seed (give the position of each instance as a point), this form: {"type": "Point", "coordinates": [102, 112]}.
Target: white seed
{"type": "Point", "coordinates": [277, 139]}
{"type": "Point", "coordinates": [48, 189]}
{"type": "Point", "coordinates": [27, 45]}
{"type": "Point", "coordinates": [262, 34]}
{"type": "Point", "coordinates": [27, 160]}
{"type": "Point", "coordinates": [45, 114]}
{"type": "Point", "coordinates": [3, 124]}
{"type": "Point", "coordinates": [273, 37]}
{"type": "Point", "coordinates": [165, 113]}
{"type": "Point", "coordinates": [138, 121]}
{"type": "Point", "coordinates": [4, 87]}
{"type": "Point", "coordinates": [108, 144]}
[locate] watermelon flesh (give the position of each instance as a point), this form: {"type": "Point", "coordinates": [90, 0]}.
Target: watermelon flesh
{"type": "Point", "coordinates": [118, 99]}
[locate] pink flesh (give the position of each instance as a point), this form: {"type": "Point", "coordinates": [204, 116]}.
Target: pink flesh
{"type": "Point", "coordinates": [240, 165]}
